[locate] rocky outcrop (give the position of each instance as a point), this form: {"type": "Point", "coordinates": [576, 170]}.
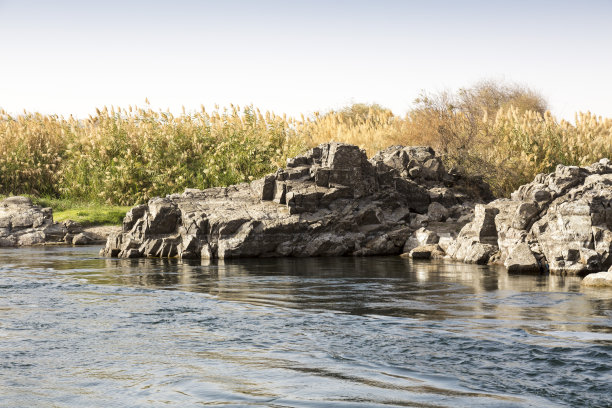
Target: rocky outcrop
{"type": "Point", "coordinates": [330, 201]}
{"type": "Point", "coordinates": [23, 224]}
{"type": "Point", "coordinates": [561, 222]}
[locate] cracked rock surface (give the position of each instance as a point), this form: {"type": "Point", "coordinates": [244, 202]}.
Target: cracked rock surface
{"type": "Point", "coordinates": [561, 222]}
{"type": "Point", "coordinates": [331, 201]}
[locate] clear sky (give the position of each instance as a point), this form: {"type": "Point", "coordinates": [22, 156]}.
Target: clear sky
{"type": "Point", "coordinates": [298, 56]}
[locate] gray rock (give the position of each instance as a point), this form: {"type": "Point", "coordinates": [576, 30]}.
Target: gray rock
{"type": "Point", "coordinates": [445, 241]}
{"type": "Point", "coordinates": [465, 218]}
{"type": "Point", "coordinates": [419, 221]}
{"type": "Point", "coordinates": [31, 238]}
{"type": "Point", "coordinates": [23, 223]}
{"type": "Point", "coordinates": [522, 260]}
{"type": "Point", "coordinates": [561, 221]}
{"type": "Point", "coordinates": [411, 243]}
{"type": "Point", "coordinates": [482, 228]}
{"type": "Point", "coordinates": [478, 253]}
{"type": "Point", "coordinates": [330, 201]}
{"type": "Point", "coordinates": [9, 241]}
{"type": "Point", "coordinates": [437, 212]}
{"type": "Point", "coordinates": [427, 252]}
{"type": "Point", "coordinates": [87, 238]}
{"type": "Point", "coordinates": [73, 227]}
{"type": "Point", "coordinates": [426, 237]}
{"type": "Point", "coordinates": [599, 279]}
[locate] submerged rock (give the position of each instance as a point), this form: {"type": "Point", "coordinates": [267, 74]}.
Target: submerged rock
{"type": "Point", "coordinates": [330, 201]}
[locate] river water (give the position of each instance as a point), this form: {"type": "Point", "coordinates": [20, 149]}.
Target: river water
{"type": "Point", "coordinates": [77, 330]}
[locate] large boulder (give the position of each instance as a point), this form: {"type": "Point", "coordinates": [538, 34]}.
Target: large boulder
{"type": "Point", "coordinates": [23, 224]}
{"type": "Point", "coordinates": [330, 201]}
{"type": "Point", "coordinates": [521, 260]}
{"type": "Point", "coordinates": [561, 222]}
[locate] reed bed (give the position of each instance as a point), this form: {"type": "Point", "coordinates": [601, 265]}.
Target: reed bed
{"type": "Point", "coordinates": [126, 156]}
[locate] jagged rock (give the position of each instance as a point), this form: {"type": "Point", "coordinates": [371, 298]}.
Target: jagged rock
{"type": "Point", "coordinates": [480, 254]}
{"type": "Point", "coordinates": [411, 243]}
{"type": "Point", "coordinates": [471, 251]}
{"type": "Point", "coordinates": [445, 240]}
{"type": "Point", "coordinates": [426, 237]}
{"type": "Point", "coordinates": [419, 221]}
{"type": "Point", "coordinates": [330, 201]}
{"type": "Point", "coordinates": [477, 240]}
{"type": "Point", "coordinates": [23, 223]}
{"type": "Point", "coordinates": [73, 227]}
{"type": "Point", "coordinates": [561, 221]}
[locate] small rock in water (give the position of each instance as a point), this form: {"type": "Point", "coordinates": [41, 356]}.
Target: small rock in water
{"type": "Point", "coordinates": [427, 252]}
{"type": "Point", "coordinates": [599, 279]}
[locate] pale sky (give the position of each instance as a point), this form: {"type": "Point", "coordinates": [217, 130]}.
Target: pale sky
{"type": "Point", "coordinates": [69, 57]}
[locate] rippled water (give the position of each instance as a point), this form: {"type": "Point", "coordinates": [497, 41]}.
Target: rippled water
{"type": "Point", "coordinates": [77, 330]}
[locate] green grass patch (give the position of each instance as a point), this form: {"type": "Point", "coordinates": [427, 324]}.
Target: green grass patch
{"type": "Point", "coordinates": [87, 214]}
{"type": "Point", "coordinates": [93, 215]}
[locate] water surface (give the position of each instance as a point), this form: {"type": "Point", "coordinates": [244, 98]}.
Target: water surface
{"type": "Point", "coordinates": [77, 330]}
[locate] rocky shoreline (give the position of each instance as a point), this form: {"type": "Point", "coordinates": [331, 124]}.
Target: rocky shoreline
{"type": "Point", "coordinates": [333, 201]}
{"type": "Point", "coordinates": [560, 223]}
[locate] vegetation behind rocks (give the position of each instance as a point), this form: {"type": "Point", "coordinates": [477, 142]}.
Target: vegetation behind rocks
{"type": "Point", "coordinates": [126, 156]}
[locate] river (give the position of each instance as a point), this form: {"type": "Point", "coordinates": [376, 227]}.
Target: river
{"type": "Point", "coordinates": [78, 330]}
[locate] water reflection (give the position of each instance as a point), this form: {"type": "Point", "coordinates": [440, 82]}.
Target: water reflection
{"type": "Point", "coordinates": [387, 286]}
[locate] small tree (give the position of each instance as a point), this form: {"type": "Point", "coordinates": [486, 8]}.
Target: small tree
{"type": "Point", "coordinates": [486, 98]}
{"type": "Point", "coordinates": [458, 125]}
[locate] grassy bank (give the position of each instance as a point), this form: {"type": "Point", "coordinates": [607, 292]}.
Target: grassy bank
{"type": "Point", "coordinates": [126, 156]}
{"type": "Point", "coordinates": [86, 213]}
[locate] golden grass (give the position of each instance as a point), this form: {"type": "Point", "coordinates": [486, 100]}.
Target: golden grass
{"type": "Point", "coordinates": [126, 156]}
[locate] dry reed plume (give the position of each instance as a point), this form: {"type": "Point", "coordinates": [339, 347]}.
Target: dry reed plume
{"type": "Point", "coordinates": [126, 156]}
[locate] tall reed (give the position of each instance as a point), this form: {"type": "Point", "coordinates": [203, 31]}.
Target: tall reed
{"type": "Point", "coordinates": [126, 156]}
